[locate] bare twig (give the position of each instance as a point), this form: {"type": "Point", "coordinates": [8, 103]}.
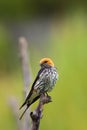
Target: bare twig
{"type": "Point", "coordinates": [37, 114]}
{"type": "Point", "coordinates": [26, 74]}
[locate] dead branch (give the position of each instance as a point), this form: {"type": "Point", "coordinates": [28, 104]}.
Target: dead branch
{"type": "Point", "coordinates": [36, 115]}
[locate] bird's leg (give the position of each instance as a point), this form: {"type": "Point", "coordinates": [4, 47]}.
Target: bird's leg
{"type": "Point", "coordinates": [49, 97]}
{"type": "Point", "coordinates": [47, 94]}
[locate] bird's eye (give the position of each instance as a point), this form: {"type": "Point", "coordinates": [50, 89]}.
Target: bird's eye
{"type": "Point", "coordinates": [45, 61]}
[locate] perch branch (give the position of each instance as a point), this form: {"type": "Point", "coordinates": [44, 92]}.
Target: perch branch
{"type": "Point", "coordinates": [36, 115]}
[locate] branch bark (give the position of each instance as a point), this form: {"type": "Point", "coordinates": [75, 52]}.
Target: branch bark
{"type": "Point", "coordinates": [36, 115]}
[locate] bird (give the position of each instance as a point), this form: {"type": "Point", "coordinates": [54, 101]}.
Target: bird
{"type": "Point", "coordinates": [44, 82]}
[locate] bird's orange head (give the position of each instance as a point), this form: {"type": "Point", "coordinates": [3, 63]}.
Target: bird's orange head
{"type": "Point", "coordinates": [46, 61]}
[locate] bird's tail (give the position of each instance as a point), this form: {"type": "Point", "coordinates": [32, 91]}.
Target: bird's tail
{"type": "Point", "coordinates": [22, 105]}
{"type": "Point", "coordinates": [23, 112]}
{"type": "Point", "coordinates": [28, 105]}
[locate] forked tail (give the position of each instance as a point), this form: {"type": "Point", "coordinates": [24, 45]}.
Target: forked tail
{"type": "Point", "coordinates": [23, 113]}
{"type": "Point", "coordinates": [28, 105]}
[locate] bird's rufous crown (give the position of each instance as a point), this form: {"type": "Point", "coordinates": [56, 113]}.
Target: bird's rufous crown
{"type": "Point", "coordinates": [47, 60]}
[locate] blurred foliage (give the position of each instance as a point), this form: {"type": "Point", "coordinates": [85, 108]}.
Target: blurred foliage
{"type": "Point", "coordinates": [28, 8]}
{"type": "Point", "coordinates": [67, 46]}
{"type": "Point", "coordinates": [8, 56]}
{"type": "Point", "coordinates": [69, 49]}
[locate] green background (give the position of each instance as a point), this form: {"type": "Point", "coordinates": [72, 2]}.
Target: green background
{"type": "Point", "coordinates": [66, 45]}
